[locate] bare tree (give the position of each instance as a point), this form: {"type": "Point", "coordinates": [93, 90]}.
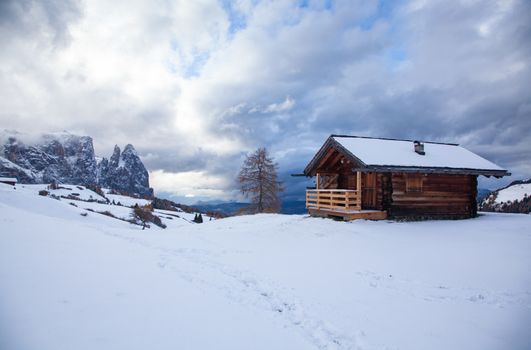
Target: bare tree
{"type": "Point", "coordinates": [258, 179]}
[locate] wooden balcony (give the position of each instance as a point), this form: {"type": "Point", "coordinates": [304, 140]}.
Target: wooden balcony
{"type": "Point", "coordinates": [337, 203]}
{"type": "Point", "coordinates": [336, 200]}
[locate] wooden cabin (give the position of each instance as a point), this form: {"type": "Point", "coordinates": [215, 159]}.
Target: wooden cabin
{"type": "Point", "coordinates": [375, 178]}
{"type": "Point", "coordinates": [8, 180]}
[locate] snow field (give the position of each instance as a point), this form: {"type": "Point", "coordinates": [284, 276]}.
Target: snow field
{"type": "Point", "coordinates": [260, 282]}
{"type": "Point", "coordinates": [81, 195]}
{"type": "Point", "coordinates": [80, 192]}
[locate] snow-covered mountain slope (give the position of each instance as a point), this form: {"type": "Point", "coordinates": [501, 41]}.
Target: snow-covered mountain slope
{"type": "Point", "coordinates": [259, 282]}
{"type": "Point", "coordinates": [88, 201]}
{"type": "Point", "coordinates": [515, 198]}
{"type": "Point", "coordinates": [514, 192]}
{"type": "Point", "coordinates": [74, 191]}
{"type": "Point", "coordinates": [68, 158]}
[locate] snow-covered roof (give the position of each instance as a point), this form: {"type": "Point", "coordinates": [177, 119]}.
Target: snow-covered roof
{"type": "Point", "coordinates": [8, 179]}
{"type": "Point", "coordinates": [378, 153]}
{"type": "Point", "coordinates": [402, 153]}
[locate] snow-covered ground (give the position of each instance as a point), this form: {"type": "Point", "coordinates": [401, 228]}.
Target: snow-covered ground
{"type": "Point", "coordinates": [80, 192]}
{"type": "Point", "coordinates": [259, 282]}
{"type": "Point", "coordinates": [88, 200]}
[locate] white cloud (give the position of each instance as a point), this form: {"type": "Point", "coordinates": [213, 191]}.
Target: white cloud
{"type": "Point", "coordinates": [280, 107]}
{"type": "Point", "coordinates": [190, 184]}
{"type": "Point", "coordinates": [192, 93]}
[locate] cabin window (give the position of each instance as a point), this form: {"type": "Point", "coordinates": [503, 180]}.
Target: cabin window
{"type": "Point", "coordinates": [413, 183]}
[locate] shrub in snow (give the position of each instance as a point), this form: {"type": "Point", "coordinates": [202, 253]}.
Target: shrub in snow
{"type": "Point", "coordinates": [141, 215]}
{"type": "Point", "coordinates": [96, 188]}
{"type": "Point", "coordinates": [43, 193]}
{"type": "Point", "coordinates": [71, 196]}
{"type": "Point", "coordinates": [107, 213]}
{"type": "Point", "coordinates": [163, 204]}
{"type": "Point", "coordinates": [157, 221]}
{"type": "Point", "coordinates": [144, 214]}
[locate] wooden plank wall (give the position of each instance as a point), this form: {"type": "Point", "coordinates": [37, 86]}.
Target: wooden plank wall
{"type": "Point", "coordinates": [382, 197]}
{"type": "Point", "coordinates": [442, 196]}
{"type": "Point", "coordinates": [386, 185]}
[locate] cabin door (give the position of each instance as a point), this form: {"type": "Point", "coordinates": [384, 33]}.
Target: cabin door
{"type": "Point", "coordinates": [368, 191]}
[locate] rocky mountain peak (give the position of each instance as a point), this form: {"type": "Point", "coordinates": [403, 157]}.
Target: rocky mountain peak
{"type": "Point", "coordinates": [115, 158]}
{"type": "Point", "coordinates": [125, 172]}
{"type": "Point", "coordinates": [129, 148]}
{"type": "Point", "coordinates": [68, 158]}
{"type": "Point", "coordinates": [130, 158]}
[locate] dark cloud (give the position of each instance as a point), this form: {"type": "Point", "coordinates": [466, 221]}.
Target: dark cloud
{"type": "Point", "coordinates": [466, 78]}
{"type": "Point", "coordinates": [29, 19]}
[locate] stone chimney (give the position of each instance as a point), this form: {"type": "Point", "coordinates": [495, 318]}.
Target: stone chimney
{"type": "Point", "coordinates": [419, 147]}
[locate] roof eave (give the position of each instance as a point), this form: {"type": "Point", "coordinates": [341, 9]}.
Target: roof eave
{"type": "Point", "coordinates": [435, 170]}
{"type": "Point", "coordinates": [330, 142]}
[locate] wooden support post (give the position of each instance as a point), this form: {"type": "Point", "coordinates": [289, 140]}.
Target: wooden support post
{"type": "Point", "coordinates": [317, 180]}
{"type": "Point", "coordinates": [358, 187]}
{"type": "Point", "coordinates": [347, 200]}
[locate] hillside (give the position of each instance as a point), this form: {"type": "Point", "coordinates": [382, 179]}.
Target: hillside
{"type": "Point", "coordinates": [514, 198]}
{"type": "Point", "coordinates": [89, 203]}
{"type": "Point", "coordinates": [258, 282]}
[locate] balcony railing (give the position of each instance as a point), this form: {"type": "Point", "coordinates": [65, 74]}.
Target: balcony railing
{"type": "Point", "coordinates": [333, 200]}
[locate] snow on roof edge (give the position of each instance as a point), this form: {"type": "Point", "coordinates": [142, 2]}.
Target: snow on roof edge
{"type": "Point", "coordinates": [386, 152]}
{"type": "Point", "coordinates": [393, 139]}
{"type": "Point", "coordinates": [10, 179]}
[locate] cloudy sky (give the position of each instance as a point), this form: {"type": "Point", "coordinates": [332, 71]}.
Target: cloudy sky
{"type": "Point", "coordinates": [194, 85]}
